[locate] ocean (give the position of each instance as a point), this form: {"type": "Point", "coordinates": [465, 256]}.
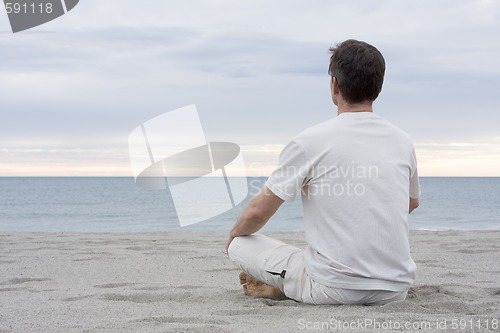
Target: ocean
{"type": "Point", "coordinates": [117, 204]}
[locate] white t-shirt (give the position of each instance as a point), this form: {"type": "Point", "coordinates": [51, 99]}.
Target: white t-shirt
{"type": "Point", "coordinates": [355, 174]}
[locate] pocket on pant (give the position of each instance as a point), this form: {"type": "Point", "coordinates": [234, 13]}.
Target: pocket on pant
{"type": "Point", "coordinates": [296, 279]}
{"type": "Point", "coordinates": [274, 268]}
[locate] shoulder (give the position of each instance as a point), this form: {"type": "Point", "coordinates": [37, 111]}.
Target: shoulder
{"type": "Point", "coordinates": [390, 128]}
{"type": "Point", "coordinates": [399, 132]}
{"type": "Point", "coordinates": [315, 131]}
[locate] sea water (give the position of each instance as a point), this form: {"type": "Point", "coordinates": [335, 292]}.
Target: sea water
{"type": "Point", "coordinates": [116, 204]}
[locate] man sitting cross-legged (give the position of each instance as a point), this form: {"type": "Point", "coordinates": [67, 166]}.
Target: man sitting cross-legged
{"type": "Point", "coordinates": [357, 177]}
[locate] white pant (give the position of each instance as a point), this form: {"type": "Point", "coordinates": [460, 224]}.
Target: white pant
{"type": "Point", "coordinates": [266, 258]}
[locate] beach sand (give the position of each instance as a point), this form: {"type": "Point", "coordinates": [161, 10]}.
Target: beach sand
{"type": "Point", "coordinates": [184, 283]}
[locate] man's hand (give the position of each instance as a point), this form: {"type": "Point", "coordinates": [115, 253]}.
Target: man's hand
{"type": "Point", "coordinates": [229, 240]}
{"type": "Point", "coordinates": [414, 203]}
{"type": "Point", "coordinates": [255, 214]}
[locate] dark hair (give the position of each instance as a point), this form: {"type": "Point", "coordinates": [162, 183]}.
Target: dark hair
{"type": "Point", "coordinates": [359, 68]}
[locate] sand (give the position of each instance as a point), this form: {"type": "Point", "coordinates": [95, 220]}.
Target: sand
{"type": "Point", "coordinates": [185, 283]}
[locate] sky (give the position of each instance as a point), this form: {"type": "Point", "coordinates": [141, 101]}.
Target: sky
{"type": "Point", "coordinates": [73, 89]}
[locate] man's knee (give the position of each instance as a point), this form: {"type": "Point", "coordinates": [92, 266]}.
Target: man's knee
{"type": "Point", "coordinates": [244, 249]}
{"type": "Point", "coordinates": [231, 247]}
{"type": "Point", "coordinates": [235, 247]}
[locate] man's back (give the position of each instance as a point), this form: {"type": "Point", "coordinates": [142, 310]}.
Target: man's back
{"type": "Point", "coordinates": [355, 199]}
{"type": "Point", "coordinates": [357, 176]}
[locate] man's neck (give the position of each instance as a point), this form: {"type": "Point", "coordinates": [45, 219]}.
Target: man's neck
{"type": "Point", "coordinates": [356, 107]}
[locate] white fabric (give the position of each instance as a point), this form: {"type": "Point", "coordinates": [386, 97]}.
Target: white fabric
{"type": "Point", "coordinates": [258, 255]}
{"type": "Point", "coordinates": [355, 174]}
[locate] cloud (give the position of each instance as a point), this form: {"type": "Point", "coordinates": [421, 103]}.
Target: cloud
{"type": "Point", "coordinates": [63, 162]}
{"type": "Point", "coordinates": [256, 70]}
{"type": "Point", "coordinates": [247, 54]}
{"type": "Point", "coordinates": [476, 158]}
{"type": "Point", "coordinates": [90, 49]}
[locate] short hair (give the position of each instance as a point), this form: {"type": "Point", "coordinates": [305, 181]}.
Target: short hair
{"type": "Point", "coordinates": [359, 68]}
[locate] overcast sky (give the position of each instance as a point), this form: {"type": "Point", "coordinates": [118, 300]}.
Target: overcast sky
{"type": "Point", "coordinates": [73, 89]}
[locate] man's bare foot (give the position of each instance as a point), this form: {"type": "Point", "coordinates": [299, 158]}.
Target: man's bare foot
{"type": "Point", "coordinates": [256, 288]}
{"type": "Point", "coordinates": [243, 278]}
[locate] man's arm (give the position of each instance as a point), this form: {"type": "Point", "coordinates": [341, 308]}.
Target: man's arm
{"type": "Point", "coordinates": [413, 204]}
{"type": "Point", "coordinates": [255, 214]}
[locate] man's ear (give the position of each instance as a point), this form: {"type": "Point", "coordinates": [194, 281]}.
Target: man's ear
{"type": "Point", "coordinates": [335, 86]}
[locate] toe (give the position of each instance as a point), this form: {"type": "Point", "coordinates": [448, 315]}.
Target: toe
{"type": "Point", "coordinates": [243, 278]}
